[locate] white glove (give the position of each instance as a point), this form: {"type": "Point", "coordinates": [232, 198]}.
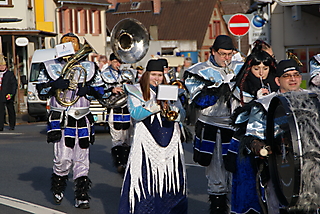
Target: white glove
{"type": "Point", "coordinates": [228, 78]}
{"type": "Point", "coordinates": [151, 106]}
{"type": "Point", "coordinates": [262, 92]}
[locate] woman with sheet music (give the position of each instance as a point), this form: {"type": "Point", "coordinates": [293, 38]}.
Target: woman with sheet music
{"type": "Point", "coordinates": [155, 178]}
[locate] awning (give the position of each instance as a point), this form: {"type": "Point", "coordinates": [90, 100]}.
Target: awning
{"type": "Point", "coordinates": [26, 33]}
{"type": "Point", "coordinates": [291, 2]}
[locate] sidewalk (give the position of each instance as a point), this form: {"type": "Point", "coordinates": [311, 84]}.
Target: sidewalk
{"type": "Point", "coordinates": [22, 117]}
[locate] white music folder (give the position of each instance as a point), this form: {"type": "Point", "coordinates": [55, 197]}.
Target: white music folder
{"type": "Point", "coordinates": [64, 49]}
{"type": "Point", "coordinates": [167, 92]}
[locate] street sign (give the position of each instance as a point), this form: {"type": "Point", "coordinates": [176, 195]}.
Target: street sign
{"type": "Point", "coordinates": [239, 25]}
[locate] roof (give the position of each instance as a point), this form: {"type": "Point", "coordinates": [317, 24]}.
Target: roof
{"type": "Point", "coordinates": [178, 20]}
{"type": "Point", "coordinates": [5, 31]}
{"type": "Point", "coordinates": [297, 2]}
{"type": "Point", "coordinates": [237, 6]}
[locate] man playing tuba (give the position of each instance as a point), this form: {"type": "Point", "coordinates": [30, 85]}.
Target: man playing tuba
{"type": "Point", "coordinates": [66, 81]}
{"type": "Point", "coordinates": [119, 117]}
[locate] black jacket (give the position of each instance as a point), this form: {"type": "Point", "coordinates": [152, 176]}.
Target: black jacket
{"type": "Point", "coordinates": [9, 85]}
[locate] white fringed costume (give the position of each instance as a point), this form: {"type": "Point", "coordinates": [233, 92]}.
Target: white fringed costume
{"type": "Point", "coordinates": [155, 179]}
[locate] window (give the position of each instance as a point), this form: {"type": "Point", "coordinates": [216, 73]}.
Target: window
{"type": "Point", "coordinates": [210, 32]}
{"type": "Point", "coordinates": [65, 20]}
{"type": "Point", "coordinates": [214, 29]}
{"type": "Point", "coordinates": [95, 22]}
{"type": "Point", "coordinates": [80, 21]}
{"type": "Point", "coordinates": [29, 4]}
{"type": "Point", "coordinates": [206, 55]}
{"type": "Point", "coordinates": [6, 3]}
{"type": "Point", "coordinates": [304, 54]}
{"type": "Point", "coordinates": [217, 28]}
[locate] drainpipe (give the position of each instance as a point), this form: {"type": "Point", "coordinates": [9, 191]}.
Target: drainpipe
{"type": "Point", "coordinates": [56, 23]}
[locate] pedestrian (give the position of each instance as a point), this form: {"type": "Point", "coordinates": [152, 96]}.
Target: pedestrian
{"type": "Point", "coordinates": [102, 61]}
{"type": "Point", "coordinates": [118, 115]}
{"type": "Point", "coordinates": [70, 122]}
{"type": "Point", "coordinates": [186, 64]}
{"type": "Point", "coordinates": [140, 71]}
{"type": "Point", "coordinates": [155, 179]}
{"type": "Point", "coordinates": [8, 89]}
{"type": "Point", "coordinates": [209, 84]}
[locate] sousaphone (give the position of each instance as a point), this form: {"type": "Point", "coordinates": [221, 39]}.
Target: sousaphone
{"type": "Point", "coordinates": [129, 40]}
{"type": "Point", "coordinates": [130, 43]}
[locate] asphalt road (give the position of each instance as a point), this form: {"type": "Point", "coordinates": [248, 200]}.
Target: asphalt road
{"type": "Point", "coordinates": [26, 167]}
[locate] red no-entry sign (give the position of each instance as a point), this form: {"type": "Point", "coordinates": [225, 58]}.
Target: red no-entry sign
{"type": "Point", "coordinates": [239, 25]}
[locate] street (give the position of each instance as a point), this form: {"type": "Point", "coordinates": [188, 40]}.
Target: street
{"type": "Point", "coordinates": [26, 168]}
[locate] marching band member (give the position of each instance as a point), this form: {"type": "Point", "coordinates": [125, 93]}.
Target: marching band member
{"type": "Point", "coordinates": [255, 79]}
{"type": "Point", "coordinates": [118, 116]}
{"type": "Point", "coordinates": [155, 177]}
{"type": "Point", "coordinates": [209, 84]}
{"type": "Point", "coordinates": [70, 126]}
{"type": "Point", "coordinates": [288, 78]}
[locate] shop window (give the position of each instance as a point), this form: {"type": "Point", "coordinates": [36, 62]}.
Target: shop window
{"type": "Point", "coordinates": [304, 54]}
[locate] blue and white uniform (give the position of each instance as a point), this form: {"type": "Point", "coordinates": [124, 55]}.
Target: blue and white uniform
{"type": "Point", "coordinates": [155, 177]}
{"type": "Point", "coordinates": [209, 87]}
{"type": "Point", "coordinates": [70, 128]}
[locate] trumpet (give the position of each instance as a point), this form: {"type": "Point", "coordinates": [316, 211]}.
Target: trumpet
{"type": "Point", "coordinates": [227, 69]}
{"type": "Point", "coordinates": [166, 110]}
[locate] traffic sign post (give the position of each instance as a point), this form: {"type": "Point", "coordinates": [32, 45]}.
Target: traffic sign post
{"type": "Point", "coordinates": [239, 25]}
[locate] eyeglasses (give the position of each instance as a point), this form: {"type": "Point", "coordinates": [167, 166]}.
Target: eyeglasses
{"type": "Point", "coordinates": [225, 54]}
{"type": "Point", "coordinates": [288, 76]}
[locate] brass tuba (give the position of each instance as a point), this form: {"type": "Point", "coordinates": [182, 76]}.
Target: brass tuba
{"type": "Point", "coordinates": [130, 43]}
{"type": "Point", "coordinates": [75, 73]}
{"type": "Point", "coordinates": [129, 40]}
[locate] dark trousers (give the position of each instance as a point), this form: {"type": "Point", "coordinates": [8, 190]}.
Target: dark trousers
{"type": "Point", "coordinates": [11, 113]}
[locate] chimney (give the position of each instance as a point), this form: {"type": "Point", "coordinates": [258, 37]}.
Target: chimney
{"type": "Point", "coordinates": [153, 32]}
{"type": "Point", "coordinates": [156, 6]}
{"type": "Point", "coordinates": [114, 4]}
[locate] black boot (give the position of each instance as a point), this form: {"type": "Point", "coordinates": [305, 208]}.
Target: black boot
{"type": "Point", "coordinates": [58, 185]}
{"type": "Point", "coordinates": [218, 204]}
{"type": "Point", "coordinates": [120, 156]}
{"type": "Point", "coordinates": [82, 186]}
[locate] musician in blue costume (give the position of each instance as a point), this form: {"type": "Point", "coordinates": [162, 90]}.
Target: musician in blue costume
{"type": "Point", "coordinates": [70, 123]}
{"type": "Point", "coordinates": [253, 120]}
{"type": "Point", "coordinates": [155, 177]}
{"type": "Point", "coordinates": [209, 85]}
{"type": "Point", "coordinates": [118, 116]}
{"type": "Point", "coordinates": [255, 80]}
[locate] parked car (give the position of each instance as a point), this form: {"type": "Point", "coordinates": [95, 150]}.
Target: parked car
{"type": "Point", "coordinates": [37, 109]}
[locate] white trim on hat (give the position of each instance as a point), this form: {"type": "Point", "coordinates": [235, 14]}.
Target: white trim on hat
{"type": "Point", "coordinates": [289, 69]}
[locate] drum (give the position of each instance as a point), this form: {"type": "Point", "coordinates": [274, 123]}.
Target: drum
{"type": "Point", "coordinates": [293, 133]}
